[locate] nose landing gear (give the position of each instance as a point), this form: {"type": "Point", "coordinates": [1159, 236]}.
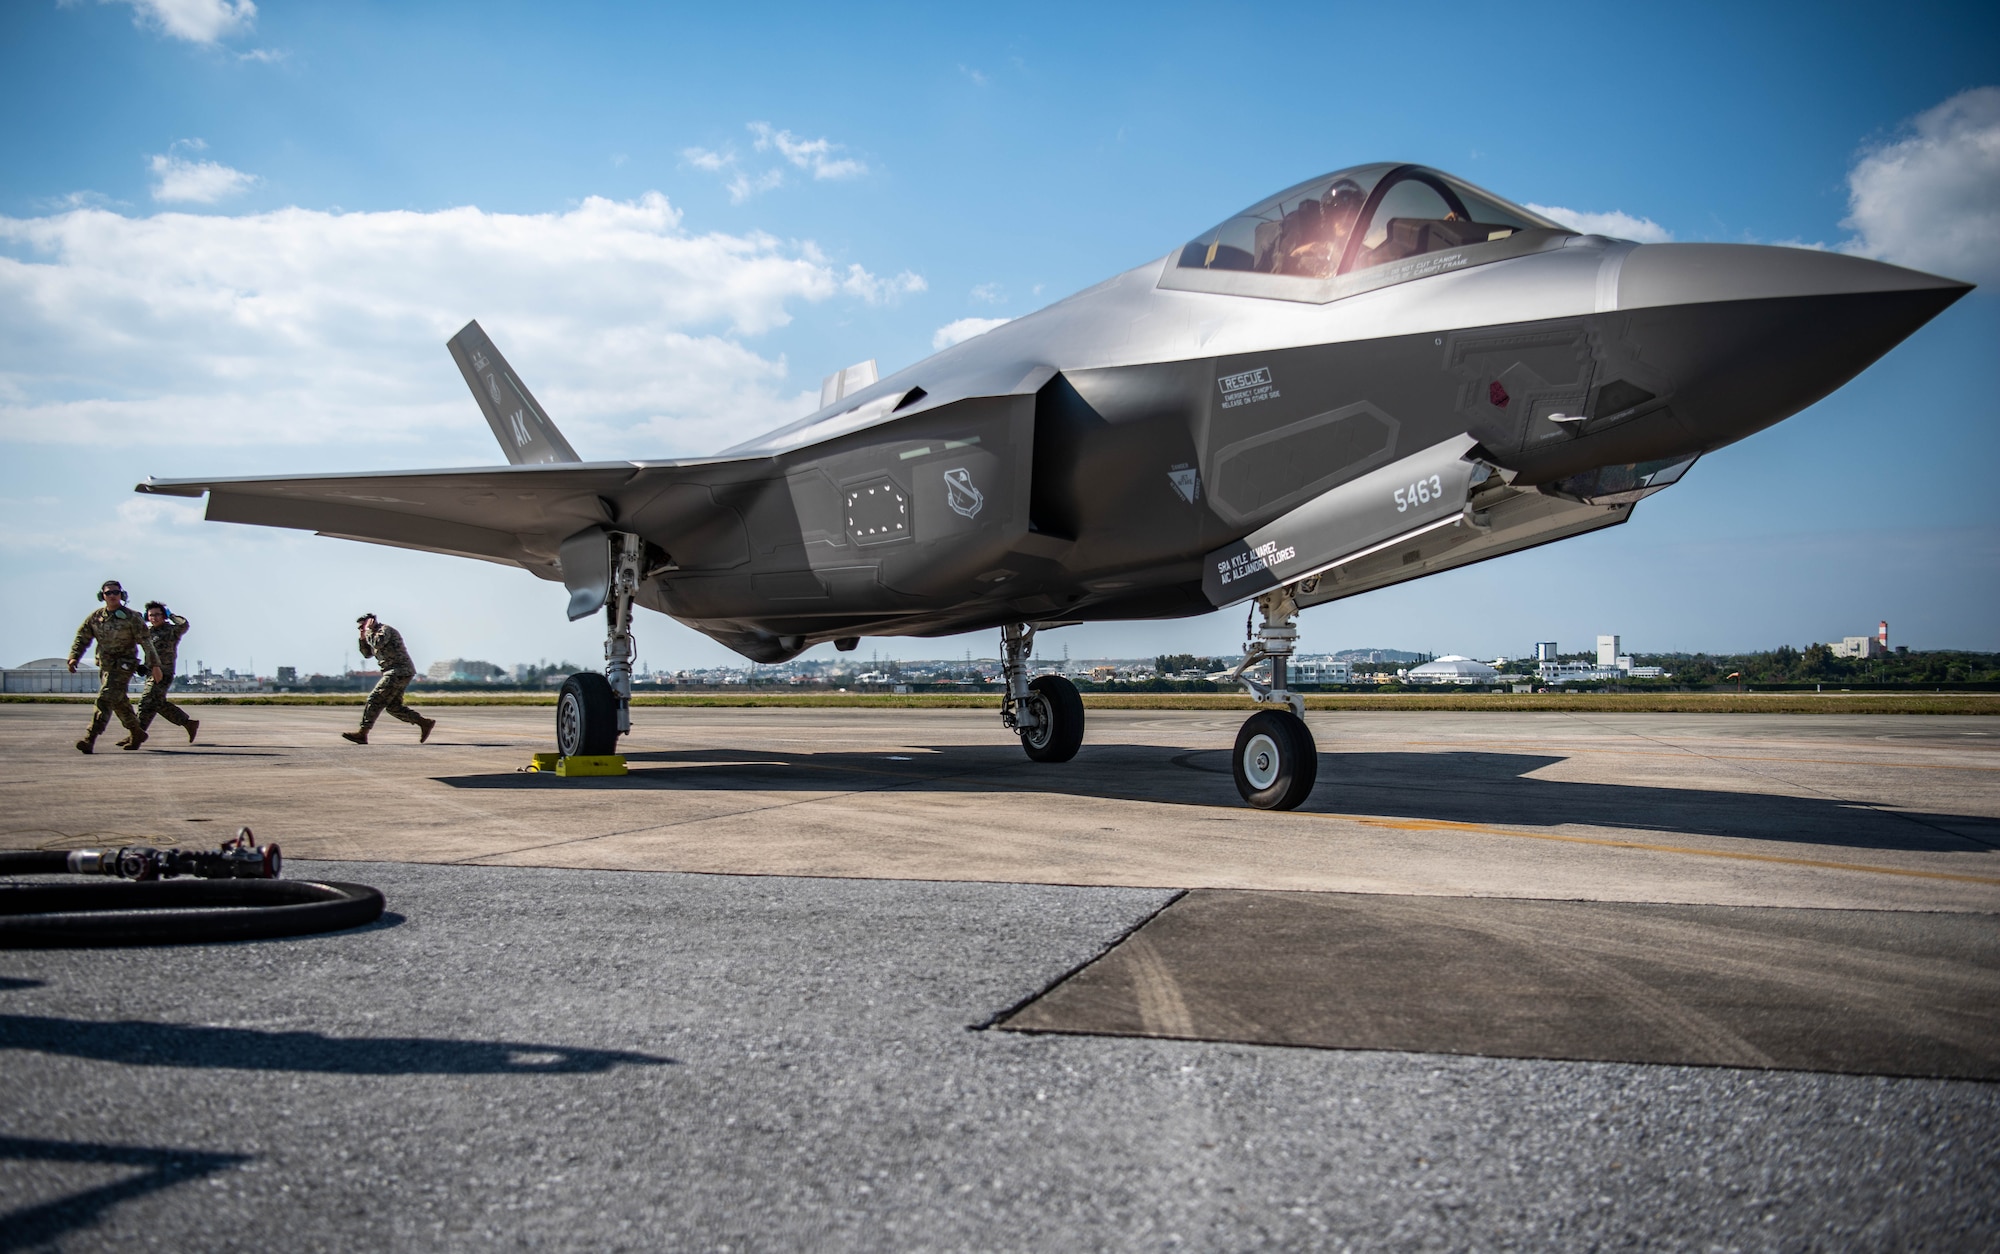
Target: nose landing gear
{"type": "Point", "coordinates": [1275, 762]}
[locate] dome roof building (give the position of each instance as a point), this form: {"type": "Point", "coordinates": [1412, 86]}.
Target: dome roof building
{"type": "Point", "coordinates": [1453, 669]}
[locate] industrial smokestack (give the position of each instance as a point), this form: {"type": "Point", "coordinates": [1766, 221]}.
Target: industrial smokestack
{"type": "Point", "coordinates": [1882, 635]}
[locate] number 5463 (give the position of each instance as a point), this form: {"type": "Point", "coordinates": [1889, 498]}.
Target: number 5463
{"type": "Point", "coordinates": [1422, 492]}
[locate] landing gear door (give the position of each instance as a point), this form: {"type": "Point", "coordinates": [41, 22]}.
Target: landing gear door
{"type": "Point", "coordinates": [585, 559]}
{"type": "Point", "coordinates": [1421, 492]}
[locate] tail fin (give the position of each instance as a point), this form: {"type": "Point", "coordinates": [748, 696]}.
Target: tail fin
{"type": "Point", "coordinates": [844, 383]}
{"type": "Point", "coordinates": [525, 433]}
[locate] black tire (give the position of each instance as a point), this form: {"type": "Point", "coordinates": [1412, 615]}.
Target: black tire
{"type": "Point", "coordinates": [1276, 762]}
{"type": "Point", "coordinates": [178, 912]}
{"type": "Point", "coordinates": [1058, 731]}
{"type": "Point", "coordinates": [586, 716]}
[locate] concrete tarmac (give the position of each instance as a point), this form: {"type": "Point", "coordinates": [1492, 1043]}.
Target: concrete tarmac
{"type": "Point", "coordinates": [1853, 812]}
{"type": "Point", "coordinates": [796, 1047]}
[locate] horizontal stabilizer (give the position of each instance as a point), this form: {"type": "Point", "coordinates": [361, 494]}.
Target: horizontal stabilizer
{"type": "Point", "coordinates": [515, 515]}
{"type": "Point", "coordinates": [525, 433]}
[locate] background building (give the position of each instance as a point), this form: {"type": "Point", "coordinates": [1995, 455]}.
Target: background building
{"type": "Point", "coordinates": [465, 671]}
{"type": "Point", "coordinates": [1321, 670]}
{"type": "Point", "coordinates": [48, 674]}
{"type": "Point", "coordinates": [1452, 669]}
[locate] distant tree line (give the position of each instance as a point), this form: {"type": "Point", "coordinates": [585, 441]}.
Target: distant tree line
{"type": "Point", "coordinates": [1816, 663]}
{"type": "Point", "coordinates": [1175, 663]}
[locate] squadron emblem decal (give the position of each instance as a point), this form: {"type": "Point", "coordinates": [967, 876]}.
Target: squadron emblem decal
{"type": "Point", "coordinates": [965, 500]}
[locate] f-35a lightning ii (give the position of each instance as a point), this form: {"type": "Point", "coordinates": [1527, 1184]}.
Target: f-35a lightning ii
{"type": "Point", "coordinates": [1374, 376]}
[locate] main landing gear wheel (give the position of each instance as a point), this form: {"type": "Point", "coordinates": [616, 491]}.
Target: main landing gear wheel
{"type": "Point", "coordinates": [1276, 762]}
{"type": "Point", "coordinates": [1058, 730]}
{"type": "Point", "coordinates": [586, 716]}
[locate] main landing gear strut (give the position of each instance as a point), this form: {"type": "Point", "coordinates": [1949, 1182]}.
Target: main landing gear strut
{"type": "Point", "coordinates": [1276, 762]}
{"type": "Point", "coordinates": [595, 710]}
{"type": "Point", "coordinates": [1045, 711]}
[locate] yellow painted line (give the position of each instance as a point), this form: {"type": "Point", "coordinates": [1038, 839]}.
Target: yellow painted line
{"type": "Point", "coordinates": [1446, 825]}
{"type": "Point", "coordinates": [1697, 753]}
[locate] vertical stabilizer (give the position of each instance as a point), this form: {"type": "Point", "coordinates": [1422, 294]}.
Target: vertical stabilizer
{"type": "Point", "coordinates": [525, 433]}
{"type": "Point", "coordinates": [844, 383]}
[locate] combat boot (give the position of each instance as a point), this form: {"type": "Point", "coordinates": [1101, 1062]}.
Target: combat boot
{"type": "Point", "coordinates": [193, 726]}
{"type": "Point", "coordinates": [87, 745]}
{"type": "Point", "coordinates": [133, 741]}
{"type": "Point", "coordinates": [359, 738]}
{"type": "Point", "coordinates": [424, 729]}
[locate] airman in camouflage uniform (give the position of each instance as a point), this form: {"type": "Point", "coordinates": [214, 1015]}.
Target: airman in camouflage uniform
{"type": "Point", "coordinates": [120, 635]}
{"type": "Point", "coordinates": [166, 628]}
{"type": "Point", "coordinates": [385, 644]}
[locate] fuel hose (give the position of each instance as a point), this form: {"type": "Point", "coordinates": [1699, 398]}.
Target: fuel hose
{"type": "Point", "coordinates": [235, 896]}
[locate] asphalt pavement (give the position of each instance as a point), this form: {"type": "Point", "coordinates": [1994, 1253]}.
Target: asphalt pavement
{"type": "Point", "coordinates": [560, 1059]}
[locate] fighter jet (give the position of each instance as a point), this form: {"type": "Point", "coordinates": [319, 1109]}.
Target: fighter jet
{"type": "Point", "coordinates": [1377, 375]}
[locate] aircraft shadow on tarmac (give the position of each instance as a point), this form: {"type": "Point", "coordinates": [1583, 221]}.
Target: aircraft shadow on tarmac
{"type": "Point", "coordinates": [1457, 787]}
{"type": "Point", "coordinates": [139, 1043]}
{"type": "Point", "coordinates": [28, 1227]}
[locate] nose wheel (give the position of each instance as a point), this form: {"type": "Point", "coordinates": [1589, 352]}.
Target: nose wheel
{"type": "Point", "coordinates": [1276, 761]}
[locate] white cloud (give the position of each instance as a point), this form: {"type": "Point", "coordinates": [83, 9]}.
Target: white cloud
{"type": "Point", "coordinates": [988, 294]}
{"type": "Point", "coordinates": [181, 181]}
{"type": "Point", "coordinates": [1931, 200]}
{"type": "Point", "coordinates": [964, 329]}
{"type": "Point", "coordinates": [815, 155]}
{"type": "Point", "coordinates": [742, 186]}
{"type": "Point", "coordinates": [197, 21]}
{"type": "Point", "coordinates": [880, 291]}
{"type": "Point", "coordinates": [302, 327]}
{"type": "Point", "coordinates": [1616, 224]}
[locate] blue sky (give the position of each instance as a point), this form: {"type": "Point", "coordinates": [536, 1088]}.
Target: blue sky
{"type": "Point", "coordinates": [233, 239]}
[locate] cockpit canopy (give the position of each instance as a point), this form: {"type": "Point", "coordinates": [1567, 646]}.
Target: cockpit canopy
{"type": "Point", "coordinates": [1360, 228]}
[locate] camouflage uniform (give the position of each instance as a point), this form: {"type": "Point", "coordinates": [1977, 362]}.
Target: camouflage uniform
{"type": "Point", "coordinates": [120, 635]}
{"type": "Point", "coordinates": [167, 646]}
{"type": "Point", "coordinates": [385, 645]}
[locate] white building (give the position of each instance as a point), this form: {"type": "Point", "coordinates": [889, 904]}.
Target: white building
{"type": "Point", "coordinates": [1452, 669]}
{"type": "Point", "coordinates": [464, 670]}
{"type": "Point", "coordinates": [1607, 653]}
{"type": "Point", "coordinates": [48, 674]}
{"type": "Point", "coordinates": [1320, 670]}
{"type": "Point", "coordinates": [1858, 646]}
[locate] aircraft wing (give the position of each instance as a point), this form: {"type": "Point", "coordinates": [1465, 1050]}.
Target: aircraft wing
{"type": "Point", "coordinates": [514, 515]}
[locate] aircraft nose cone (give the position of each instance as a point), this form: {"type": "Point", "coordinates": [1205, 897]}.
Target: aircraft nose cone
{"type": "Point", "coordinates": [1682, 274]}
{"type": "Point", "coordinates": [1753, 334]}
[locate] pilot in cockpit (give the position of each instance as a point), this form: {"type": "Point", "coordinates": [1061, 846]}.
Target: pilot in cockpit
{"type": "Point", "coordinates": [1311, 238]}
